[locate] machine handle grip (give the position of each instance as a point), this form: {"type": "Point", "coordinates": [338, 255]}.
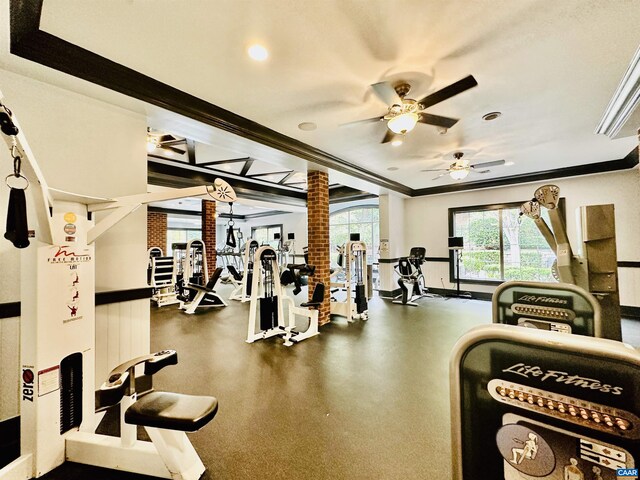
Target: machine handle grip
{"type": "Point", "coordinates": [160, 360]}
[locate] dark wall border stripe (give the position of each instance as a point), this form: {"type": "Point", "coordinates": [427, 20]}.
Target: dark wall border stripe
{"type": "Point", "coordinates": [625, 264]}
{"type": "Point", "coordinates": [9, 310]}
{"type": "Point", "coordinates": [116, 296]}
{"type": "Point", "coordinates": [29, 42]}
{"type": "Point", "coordinates": [630, 312]}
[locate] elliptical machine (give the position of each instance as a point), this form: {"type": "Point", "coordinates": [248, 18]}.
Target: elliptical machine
{"type": "Point", "coordinates": [411, 278]}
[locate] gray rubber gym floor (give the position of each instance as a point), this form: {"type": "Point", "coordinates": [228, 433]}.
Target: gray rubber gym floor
{"type": "Point", "coordinates": [368, 400]}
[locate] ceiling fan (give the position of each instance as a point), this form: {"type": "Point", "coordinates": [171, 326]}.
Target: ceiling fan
{"type": "Point", "coordinates": [404, 113]}
{"type": "Point", "coordinates": [164, 142]}
{"type": "Point", "coordinates": [461, 168]}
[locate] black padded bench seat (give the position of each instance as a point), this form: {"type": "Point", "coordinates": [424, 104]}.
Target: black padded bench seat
{"type": "Point", "coordinates": [172, 411]}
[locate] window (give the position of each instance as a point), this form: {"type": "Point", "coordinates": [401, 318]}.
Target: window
{"type": "Point", "coordinates": [181, 235]}
{"type": "Point", "coordinates": [362, 220]}
{"type": "Point", "coordinates": [499, 246]}
{"type": "Point", "coordinates": [264, 234]}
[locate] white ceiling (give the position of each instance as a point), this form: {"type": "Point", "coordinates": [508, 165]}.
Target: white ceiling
{"type": "Point", "coordinates": [550, 67]}
{"type": "Point", "coordinates": [195, 205]}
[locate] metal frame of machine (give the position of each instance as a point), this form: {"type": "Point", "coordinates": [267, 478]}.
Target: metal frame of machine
{"type": "Point", "coordinates": [559, 307]}
{"type": "Point", "coordinates": [596, 268]}
{"type": "Point", "coordinates": [57, 340]}
{"type": "Point", "coordinates": [573, 398]}
{"type": "Point", "coordinates": [355, 271]}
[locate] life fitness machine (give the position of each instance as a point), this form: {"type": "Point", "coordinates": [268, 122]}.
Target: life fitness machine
{"type": "Point", "coordinates": [242, 282]}
{"type": "Point", "coordinates": [57, 324]}
{"type": "Point", "coordinates": [595, 269]}
{"type": "Point", "coordinates": [162, 278]}
{"type": "Point", "coordinates": [409, 269]}
{"type": "Point", "coordinates": [559, 307]}
{"type": "Point", "coordinates": [355, 272]}
{"type": "Point", "coordinates": [534, 404]}
{"type": "Point", "coordinates": [195, 287]}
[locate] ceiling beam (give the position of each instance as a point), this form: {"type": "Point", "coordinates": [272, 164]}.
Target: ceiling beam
{"type": "Point", "coordinates": [175, 176]}
{"type": "Point", "coordinates": [287, 177]}
{"type": "Point", "coordinates": [28, 41]}
{"type": "Point", "coordinates": [223, 162]}
{"type": "Point", "coordinates": [246, 167]}
{"type": "Point", "coordinates": [255, 175]}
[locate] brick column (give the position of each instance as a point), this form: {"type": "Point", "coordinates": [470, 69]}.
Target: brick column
{"type": "Point", "coordinates": [157, 230]}
{"type": "Point", "coordinates": [318, 233]}
{"type": "Point", "coordinates": [209, 232]}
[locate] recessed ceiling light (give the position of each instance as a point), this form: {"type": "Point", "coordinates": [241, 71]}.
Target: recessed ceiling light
{"type": "Point", "coordinates": [508, 164]}
{"type": "Point", "coordinates": [307, 126]}
{"type": "Point", "coordinates": [258, 53]}
{"type": "Point", "coordinates": [487, 117]}
{"type": "Point", "coordinates": [396, 143]}
{"type": "Point", "coordinates": [392, 169]}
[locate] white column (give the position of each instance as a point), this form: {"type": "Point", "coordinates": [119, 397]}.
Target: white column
{"type": "Point", "coordinates": [392, 232]}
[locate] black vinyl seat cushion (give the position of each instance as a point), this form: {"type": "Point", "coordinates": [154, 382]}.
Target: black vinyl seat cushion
{"type": "Point", "coordinates": [172, 411]}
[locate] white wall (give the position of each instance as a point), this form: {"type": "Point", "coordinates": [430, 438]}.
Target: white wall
{"type": "Point", "coordinates": [426, 221]}
{"type": "Point", "coordinates": [83, 146]}
{"type": "Point", "coordinates": [291, 223]}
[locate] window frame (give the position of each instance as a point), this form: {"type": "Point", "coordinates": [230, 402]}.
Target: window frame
{"type": "Point", "coordinates": [482, 208]}
{"type": "Point", "coordinates": [275, 225]}
{"type": "Point", "coordinates": [372, 206]}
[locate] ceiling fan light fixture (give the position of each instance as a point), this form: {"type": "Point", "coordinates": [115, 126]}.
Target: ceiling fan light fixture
{"type": "Point", "coordinates": [397, 142]}
{"type": "Point", "coordinates": [403, 123]}
{"type": "Point", "coordinates": [151, 144]}
{"type": "Point", "coordinates": [459, 173]}
{"type": "Point", "coordinates": [258, 53]}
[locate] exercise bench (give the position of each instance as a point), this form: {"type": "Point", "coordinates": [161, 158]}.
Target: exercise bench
{"type": "Point", "coordinates": [165, 416]}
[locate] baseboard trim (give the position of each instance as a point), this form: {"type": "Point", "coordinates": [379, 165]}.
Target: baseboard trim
{"type": "Point", "coordinates": [389, 293]}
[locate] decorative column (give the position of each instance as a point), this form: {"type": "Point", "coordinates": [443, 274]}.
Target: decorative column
{"type": "Point", "coordinates": [391, 242]}
{"type": "Point", "coordinates": [318, 237]}
{"type": "Point", "coordinates": [157, 230]}
{"type": "Point", "coordinates": [209, 232]}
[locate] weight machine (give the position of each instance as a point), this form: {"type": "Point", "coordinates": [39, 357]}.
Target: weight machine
{"type": "Point", "coordinates": [542, 404]}
{"type": "Point", "coordinates": [595, 268]}
{"type": "Point", "coordinates": [195, 288]}
{"type": "Point", "coordinates": [354, 269]}
{"type": "Point", "coordinates": [57, 338]}
{"type": "Point", "coordinates": [243, 282]}
{"type": "Point", "coordinates": [409, 269]}
{"type": "Point", "coordinates": [559, 307]}
{"type": "Point", "coordinates": [266, 318]}
{"type": "Point", "coordinates": [162, 278]}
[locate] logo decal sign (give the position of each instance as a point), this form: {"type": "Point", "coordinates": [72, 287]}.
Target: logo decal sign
{"type": "Point", "coordinates": [64, 254]}
{"type": "Point", "coordinates": [533, 371]}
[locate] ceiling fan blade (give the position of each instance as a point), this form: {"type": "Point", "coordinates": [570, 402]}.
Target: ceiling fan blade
{"type": "Point", "coordinates": [480, 171]}
{"type": "Point", "coordinates": [173, 149]}
{"type": "Point", "coordinates": [441, 175]}
{"type": "Point", "coordinates": [435, 170]}
{"type": "Point", "coordinates": [494, 163]}
{"type": "Point", "coordinates": [389, 136]}
{"type": "Point", "coordinates": [358, 122]}
{"type": "Point", "coordinates": [385, 92]}
{"type": "Point", "coordinates": [165, 138]}
{"type": "Point", "coordinates": [447, 92]}
{"type": "Point", "coordinates": [437, 120]}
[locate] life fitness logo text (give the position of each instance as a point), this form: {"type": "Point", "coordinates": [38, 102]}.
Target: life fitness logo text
{"type": "Point", "coordinates": [528, 371]}
{"type": "Point", "coordinates": [62, 254]}
{"type": "Point", "coordinates": [27, 384]}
